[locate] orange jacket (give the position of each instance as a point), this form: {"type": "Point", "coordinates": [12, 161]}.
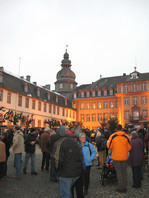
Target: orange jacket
{"type": "Point", "coordinates": [120, 143]}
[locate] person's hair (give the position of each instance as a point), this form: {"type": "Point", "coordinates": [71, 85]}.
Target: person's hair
{"type": "Point", "coordinates": [119, 127]}
{"type": "Point", "coordinates": [17, 127]}
{"type": "Point", "coordinates": [81, 134]}
{"type": "Point", "coordinates": [134, 134]}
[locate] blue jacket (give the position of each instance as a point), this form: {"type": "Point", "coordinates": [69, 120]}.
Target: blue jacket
{"type": "Point", "coordinates": [89, 153]}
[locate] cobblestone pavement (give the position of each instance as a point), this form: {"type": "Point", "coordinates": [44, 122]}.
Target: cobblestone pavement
{"type": "Point", "coordinates": [40, 186]}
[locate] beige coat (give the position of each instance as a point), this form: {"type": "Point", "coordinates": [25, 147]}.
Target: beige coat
{"type": "Point", "coordinates": [18, 142]}
{"type": "Point", "coordinates": [2, 152]}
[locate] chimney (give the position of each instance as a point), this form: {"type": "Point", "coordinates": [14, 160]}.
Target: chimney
{"type": "Point", "coordinates": [124, 74]}
{"type": "Point", "coordinates": [35, 83]}
{"type": "Point", "coordinates": [48, 86]}
{"type": "Point", "coordinates": [28, 78]}
{"type": "Point", "coordinates": [100, 76]}
{"type": "Point", "coordinates": [2, 68]}
{"type": "Point", "coordinates": [22, 77]}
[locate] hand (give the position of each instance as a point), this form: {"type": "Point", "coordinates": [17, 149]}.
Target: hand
{"type": "Point", "coordinates": [33, 142]}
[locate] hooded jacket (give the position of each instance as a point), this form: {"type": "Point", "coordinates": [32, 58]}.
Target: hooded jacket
{"type": "Point", "coordinates": [18, 142]}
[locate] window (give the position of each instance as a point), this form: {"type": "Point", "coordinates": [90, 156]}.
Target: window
{"type": "Point", "coordinates": [93, 94]}
{"type": "Point", "coordinates": [26, 87]}
{"type": "Point", "coordinates": [44, 107]}
{"type": "Point", "coordinates": [39, 106]}
{"type": "Point", "coordinates": [99, 93]}
{"type": "Point", "coordinates": [105, 116]}
{"type": "Point", "coordinates": [57, 99]}
{"type": "Point", "coordinates": [65, 102]}
{"type": "Point", "coordinates": [134, 88]}
{"type": "Point", "coordinates": [111, 105]}
{"type": "Point", "coordinates": [136, 115]}
{"type": "Point", "coordinates": [66, 112]}
{"type": "Point", "coordinates": [105, 93]}
{"type": "Point", "coordinates": [57, 110]}
{"type": "Point", "coordinates": [144, 100]}
{"type": "Point", "coordinates": [126, 101]}
{"type": "Point", "coordinates": [20, 101]}
{"type": "Point", "coordinates": [111, 92]}
{"type": "Point", "coordinates": [50, 108]}
{"type": "Point", "coordinates": [116, 104]}
{"type": "Point", "coordinates": [93, 105]}
{"type": "Point", "coordinates": [111, 115]}
{"type": "Point", "coordinates": [82, 94]}
{"type": "Point", "coordinates": [135, 100]}
{"type": "Point", "coordinates": [99, 116]}
{"type": "Point", "coordinates": [39, 123]}
{"type": "Point", "coordinates": [125, 88]}
{"type": "Point", "coordinates": [145, 114]}
{"type": "Point", "coordinates": [75, 95]}
{"type": "Point", "coordinates": [105, 105]}
{"type": "Point", "coordinates": [126, 115]}
{"type": "Point", "coordinates": [33, 104]}
{"type": "Point", "coordinates": [73, 115]}
{"type": "Point", "coordinates": [88, 94]}
{"type": "Point", "coordinates": [53, 109]}
{"type": "Point", "coordinates": [87, 106]}
{"type": "Point", "coordinates": [93, 117]}
{"type": "Point", "coordinates": [71, 86]}
{"type": "Point", "coordinates": [48, 95]}
{"type": "Point", "coordinates": [82, 106]}
{"type": "Point", "coordinates": [60, 85]}
{"type": "Point", "coordinates": [38, 92]}
{"type": "Point", "coordinates": [9, 98]}
{"type": "Point", "coordinates": [1, 118]}
{"type": "Point", "coordinates": [1, 95]}
{"type": "Point", "coordinates": [82, 117]}
{"type": "Point", "coordinates": [87, 118]}
{"type": "Point", "coordinates": [99, 105]}
{"type": "Point", "coordinates": [26, 102]}
{"type": "Point", "coordinates": [143, 86]}
{"type": "Point", "coordinates": [63, 112]}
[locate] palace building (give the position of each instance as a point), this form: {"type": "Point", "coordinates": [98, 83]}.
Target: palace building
{"type": "Point", "coordinates": [125, 97]}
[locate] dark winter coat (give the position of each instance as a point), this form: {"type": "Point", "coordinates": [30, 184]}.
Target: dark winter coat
{"type": "Point", "coordinates": [136, 154]}
{"type": "Point", "coordinates": [99, 141]}
{"type": "Point", "coordinates": [70, 160]}
{"type": "Point", "coordinates": [29, 148]}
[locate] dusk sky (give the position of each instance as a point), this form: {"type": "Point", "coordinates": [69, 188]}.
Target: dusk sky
{"type": "Point", "coordinates": [104, 37]}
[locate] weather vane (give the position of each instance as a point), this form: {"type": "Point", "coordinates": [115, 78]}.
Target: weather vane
{"type": "Point", "coordinates": [66, 47]}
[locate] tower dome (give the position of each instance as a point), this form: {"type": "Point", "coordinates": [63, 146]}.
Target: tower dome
{"type": "Point", "coordinates": [65, 83]}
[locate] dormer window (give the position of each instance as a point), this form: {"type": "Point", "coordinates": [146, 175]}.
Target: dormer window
{"type": "Point", "coordinates": [88, 94]}
{"type": "Point", "coordinates": [48, 95]}
{"type": "Point", "coordinates": [99, 93]}
{"type": "Point", "coordinates": [93, 93]}
{"type": "Point", "coordinates": [105, 92]}
{"type": "Point", "coordinates": [75, 95]}
{"type": "Point", "coordinates": [1, 77]}
{"type": "Point", "coordinates": [57, 99]}
{"type": "Point", "coordinates": [134, 75]}
{"type": "Point", "coordinates": [26, 87]}
{"type": "Point", "coordinates": [66, 102]}
{"type": "Point", "coordinates": [111, 92]}
{"type": "Point", "coordinates": [38, 92]}
{"type": "Point", "coordinates": [82, 94]}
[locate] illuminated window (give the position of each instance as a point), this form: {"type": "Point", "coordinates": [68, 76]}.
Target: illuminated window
{"type": "Point", "coordinates": [87, 118]}
{"type": "Point", "coordinates": [99, 105]}
{"type": "Point", "coordinates": [82, 117]}
{"type": "Point", "coordinates": [93, 117]}
{"type": "Point", "coordinates": [26, 102]}
{"type": "Point", "coordinates": [20, 101]}
{"type": "Point", "coordinates": [1, 95]}
{"type": "Point", "coordinates": [126, 101]}
{"type": "Point", "coordinates": [39, 106]}
{"type": "Point", "coordinates": [105, 105]}
{"type": "Point", "coordinates": [144, 100]}
{"type": "Point", "coordinates": [33, 104]}
{"type": "Point", "coordinates": [126, 115]}
{"type": "Point", "coordinates": [136, 115]}
{"type": "Point", "coordinates": [87, 106]}
{"type": "Point", "coordinates": [9, 97]}
{"type": "Point", "coordinates": [93, 105]}
{"type": "Point", "coordinates": [111, 104]}
{"type": "Point", "coordinates": [99, 117]}
{"type": "Point", "coordinates": [105, 116]}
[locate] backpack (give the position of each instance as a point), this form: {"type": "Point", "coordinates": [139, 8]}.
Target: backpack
{"type": "Point", "coordinates": [103, 144]}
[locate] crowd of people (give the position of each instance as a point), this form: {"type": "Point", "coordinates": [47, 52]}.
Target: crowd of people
{"type": "Point", "coordinates": [68, 155]}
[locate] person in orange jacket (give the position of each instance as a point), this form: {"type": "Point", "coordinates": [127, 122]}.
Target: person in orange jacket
{"type": "Point", "coordinates": [120, 143]}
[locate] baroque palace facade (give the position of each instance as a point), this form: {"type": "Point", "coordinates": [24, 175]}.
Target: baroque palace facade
{"type": "Point", "coordinates": [125, 97]}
